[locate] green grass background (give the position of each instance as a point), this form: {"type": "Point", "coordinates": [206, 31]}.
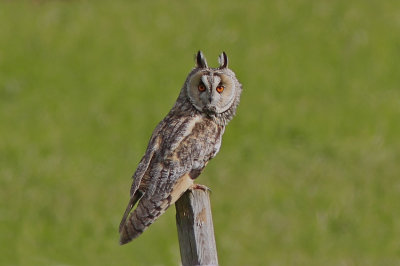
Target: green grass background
{"type": "Point", "coordinates": [309, 170]}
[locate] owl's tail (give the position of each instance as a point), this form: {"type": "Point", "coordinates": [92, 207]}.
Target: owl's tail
{"type": "Point", "coordinates": [142, 217]}
{"type": "Point", "coordinates": [150, 208]}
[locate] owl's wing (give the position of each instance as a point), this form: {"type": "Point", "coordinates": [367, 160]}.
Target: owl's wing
{"type": "Point", "coordinates": [135, 194]}
{"type": "Point", "coordinates": [172, 174]}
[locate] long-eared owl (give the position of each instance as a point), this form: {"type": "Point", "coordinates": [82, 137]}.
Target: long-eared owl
{"type": "Point", "coordinates": [182, 144]}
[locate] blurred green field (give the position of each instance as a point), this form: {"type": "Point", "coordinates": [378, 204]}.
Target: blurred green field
{"type": "Point", "coordinates": [309, 170]}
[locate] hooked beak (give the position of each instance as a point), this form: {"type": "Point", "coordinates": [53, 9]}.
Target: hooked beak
{"type": "Point", "coordinates": [209, 109]}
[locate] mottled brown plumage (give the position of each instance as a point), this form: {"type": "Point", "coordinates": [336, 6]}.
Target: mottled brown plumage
{"type": "Point", "coordinates": [182, 144]}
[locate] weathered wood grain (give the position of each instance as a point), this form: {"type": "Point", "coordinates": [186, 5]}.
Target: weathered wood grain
{"type": "Point", "coordinates": [195, 228]}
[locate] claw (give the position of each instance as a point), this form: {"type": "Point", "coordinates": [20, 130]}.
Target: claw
{"type": "Point", "coordinates": [198, 186]}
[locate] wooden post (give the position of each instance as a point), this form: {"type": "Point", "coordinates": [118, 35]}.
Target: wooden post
{"type": "Point", "coordinates": [195, 228]}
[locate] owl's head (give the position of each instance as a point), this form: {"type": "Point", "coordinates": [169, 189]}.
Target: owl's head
{"type": "Point", "coordinates": [213, 91]}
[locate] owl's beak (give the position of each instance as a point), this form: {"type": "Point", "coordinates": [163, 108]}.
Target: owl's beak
{"type": "Point", "coordinates": [209, 109]}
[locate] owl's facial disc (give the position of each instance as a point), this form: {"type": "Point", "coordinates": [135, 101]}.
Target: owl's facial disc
{"type": "Point", "coordinates": [211, 91]}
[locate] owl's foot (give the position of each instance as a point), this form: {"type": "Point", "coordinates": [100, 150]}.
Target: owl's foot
{"type": "Point", "coordinates": [198, 186]}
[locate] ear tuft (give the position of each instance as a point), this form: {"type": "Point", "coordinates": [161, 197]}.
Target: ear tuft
{"type": "Point", "coordinates": [201, 60]}
{"type": "Point", "coordinates": [223, 60]}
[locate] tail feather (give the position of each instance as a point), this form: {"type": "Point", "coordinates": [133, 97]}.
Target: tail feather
{"type": "Point", "coordinates": [150, 208]}
{"type": "Point", "coordinates": [131, 203]}
{"type": "Point", "coordinates": [141, 218]}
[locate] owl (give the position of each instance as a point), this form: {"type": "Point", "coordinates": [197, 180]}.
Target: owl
{"type": "Point", "coordinates": [182, 144]}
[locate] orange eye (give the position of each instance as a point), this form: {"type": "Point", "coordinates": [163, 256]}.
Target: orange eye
{"type": "Point", "coordinates": [201, 87]}
{"type": "Point", "coordinates": [220, 89]}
